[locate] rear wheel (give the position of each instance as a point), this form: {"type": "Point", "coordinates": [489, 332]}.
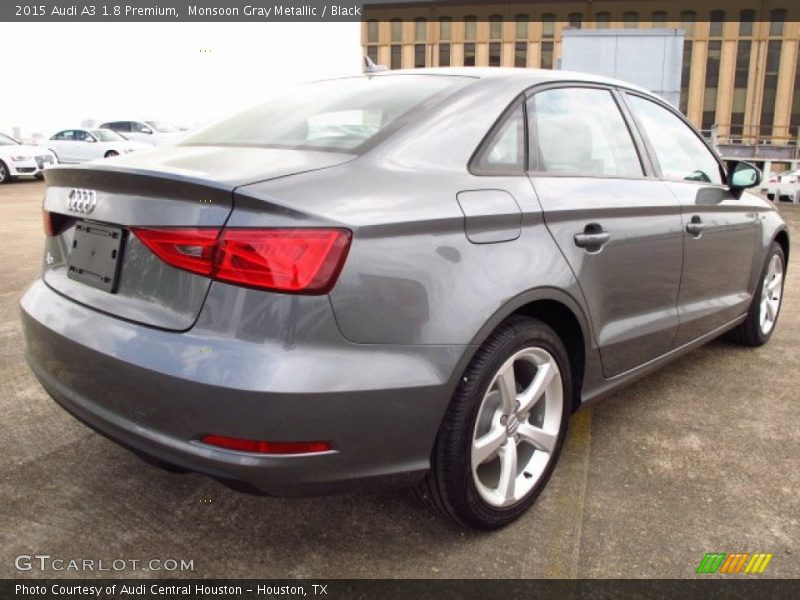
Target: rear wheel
{"type": "Point", "coordinates": [111, 153]}
{"type": "Point", "coordinates": [766, 304]}
{"type": "Point", "coordinates": [5, 176]}
{"type": "Point", "coordinates": [504, 429]}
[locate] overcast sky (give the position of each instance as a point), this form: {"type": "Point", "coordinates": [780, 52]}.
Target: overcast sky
{"type": "Point", "coordinates": [55, 75]}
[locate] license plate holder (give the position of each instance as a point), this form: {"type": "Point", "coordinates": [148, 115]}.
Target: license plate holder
{"type": "Point", "coordinates": [94, 258]}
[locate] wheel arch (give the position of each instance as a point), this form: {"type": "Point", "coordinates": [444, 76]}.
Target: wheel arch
{"type": "Point", "coordinates": [782, 238]}
{"type": "Point", "coordinates": [563, 314]}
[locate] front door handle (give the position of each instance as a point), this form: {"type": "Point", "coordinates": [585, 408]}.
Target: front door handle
{"type": "Point", "coordinates": [592, 238]}
{"type": "Point", "coordinates": [695, 226]}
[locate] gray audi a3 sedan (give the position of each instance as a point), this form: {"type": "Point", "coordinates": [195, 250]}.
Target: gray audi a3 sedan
{"type": "Point", "coordinates": [409, 277]}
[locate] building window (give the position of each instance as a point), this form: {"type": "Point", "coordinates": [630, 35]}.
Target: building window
{"type": "Point", "coordinates": [420, 30]}
{"type": "Point", "coordinates": [659, 19]}
{"type": "Point", "coordinates": [397, 30]}
{"type": "Point", "coordinates": [372, 52]}
{"type": "Point", "coordinates": [419, 56]}
{"type": "Point", "coordinates": [712, 84]}
{"type": "Point", "coordinates": [746, 18]}
{"type": "Point", "coordinates": [397, 57]}
{"type": "Point", "coordinates": [777, 17]}
{"type": "Point", "coordinates": [548, 25]}
{"type": "Point", "coordinates": [372, 31]}
{"type": "Point", "coordinates": [547, 55]}
{"type": "Point", "coordinates": [740, 80]}
{"type": "Point", "coordinates": [717, 22]}
{"type": "Point", "coordinates": [603, 20]}
{"type": "Point", "coordinates": [794, 121]}
{"type": "Point", "coordinates": [494, 54]}
{"type": "Point", "coordinates": [469, 54]}
{"type": "Point", "coordinates": [631, 19]}
{"type": "Point", "coordinates": [470, 28]}
{"type": "Point", "coordinates": [770, 86]}
{"type": "Point", "coordinates": [444, 55]}
{"type": "Point", "coordinates": [688, 18]}
{"type": "Point", "coordinates": [495, 27]}
{"type": "Point", "coordinates": [521, 54]}
{"type": "Point", "coordinates": [575, 20]}
{"type": "Point", "coordinates": [445, 27]}
{"type": "Point", "coordinates": [685, 70]}
{"type": "Point", "coordinates": [522, 27]}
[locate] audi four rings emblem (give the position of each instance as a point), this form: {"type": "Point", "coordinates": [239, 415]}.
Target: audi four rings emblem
{"type": "Point", "coordinates": [82, 201]}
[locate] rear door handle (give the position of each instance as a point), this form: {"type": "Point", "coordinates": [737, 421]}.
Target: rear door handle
{"type": "Point", "coordinates": [592, 238]}
{"type": "Point", "coordinates": [695, 226]}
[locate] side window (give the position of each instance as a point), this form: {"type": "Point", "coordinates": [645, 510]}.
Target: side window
{"type": "Point", "coordinates": [78, 135]}
{"type": "Point", "coordinates": [580, 131]}
{"type": "Point", "coordinates": [680, 153]}
{"type": "Point", "coordinates": [61, 135]}
{"type": "Point", "coordinates": [137, 127]}
{"type": "Point", "coordinates": [504, 152]}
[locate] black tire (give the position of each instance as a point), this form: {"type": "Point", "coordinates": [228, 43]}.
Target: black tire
{"type": "Point", "coordinates": [5, 175]}
{"type": "Point", "coordinates": [449, 487]}
{"type": "Point", "coordinates": [111, 153]}
{"type": "Point", "coordinates": [749, 332]}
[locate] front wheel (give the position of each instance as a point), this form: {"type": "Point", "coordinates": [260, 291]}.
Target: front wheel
{"type": "Point", "coordinates": [111, 153]}
{"type": "Point", "coordinates": [503, 432]}
{"type": "Point", "coordinates": [5, 176]}
{"type": "Point", "coordinates": [766, 304]}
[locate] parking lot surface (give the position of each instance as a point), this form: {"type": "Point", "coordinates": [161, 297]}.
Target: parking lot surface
{"type": "Point", "coordinates": [703, 456]}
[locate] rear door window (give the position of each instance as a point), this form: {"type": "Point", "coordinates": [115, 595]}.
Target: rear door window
{"type": "Point", "coordinates": [580, 132]}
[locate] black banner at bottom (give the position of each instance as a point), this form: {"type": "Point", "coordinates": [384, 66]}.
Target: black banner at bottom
{"type": "Point", "coordinates": [388, 589]}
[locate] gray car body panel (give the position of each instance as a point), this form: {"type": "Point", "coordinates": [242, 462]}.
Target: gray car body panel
{"type": "Point", "coordinates": [430, 274]}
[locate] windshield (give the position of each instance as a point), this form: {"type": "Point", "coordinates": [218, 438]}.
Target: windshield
{"type": "Point", "coordinates": [162, 126]}
{"type": "Point", "coordinates": [340, 114]}
{"type": "Point", "coordinates": [106, 135]}
{"type": "Point", "coordinates": [7, 141]}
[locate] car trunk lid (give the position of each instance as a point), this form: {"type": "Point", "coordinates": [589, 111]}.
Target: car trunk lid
{"type": "Point", "coordinates": [172, 187]}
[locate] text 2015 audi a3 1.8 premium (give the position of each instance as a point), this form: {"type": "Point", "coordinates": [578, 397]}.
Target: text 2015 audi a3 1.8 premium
{"type": "Point", "coordinates": [406, 277]}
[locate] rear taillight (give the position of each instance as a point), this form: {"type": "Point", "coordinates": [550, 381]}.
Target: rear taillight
{"type": "Point", "coordinates": [47, 221]}
{"type": "Point", "coordinates": [188, 249]}
{"type": "Point", "coordinates": [303, 261]}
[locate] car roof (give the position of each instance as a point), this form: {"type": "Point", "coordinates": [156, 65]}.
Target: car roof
{"type": "Point", "coordinates": [522, 77]}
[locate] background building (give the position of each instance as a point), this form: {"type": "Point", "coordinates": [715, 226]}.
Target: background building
{"type": "Point", "coordinates": [741, 61]}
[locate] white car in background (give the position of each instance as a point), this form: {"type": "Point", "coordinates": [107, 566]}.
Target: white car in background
{"type": "Point", "coordinates": [154, 133]}
{"type": "Point", "coordinates": [789, 186]}
{"type": "Point", "coordinates": [81, 145]}
{"type": "Point", "coordinates": [21, 160]}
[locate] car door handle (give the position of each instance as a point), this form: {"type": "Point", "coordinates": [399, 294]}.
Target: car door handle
{"type": "Point", "coordinates": [592, 238]}
{"type": "Point", "coordinates": [695, 226]}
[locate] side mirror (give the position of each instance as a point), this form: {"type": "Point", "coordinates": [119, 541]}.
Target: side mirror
{"type": "Point", "coordinates": [743, 175]}
{"type": "Point", "coordinates": [146, 130]}
{"type": "Point", "coordinates": [90, 140]}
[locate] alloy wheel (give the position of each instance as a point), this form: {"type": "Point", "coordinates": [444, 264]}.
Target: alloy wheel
{"type": "Point", "coordinates": [517, 427]}
{"type": "Point", "coordinates": [771, 292]}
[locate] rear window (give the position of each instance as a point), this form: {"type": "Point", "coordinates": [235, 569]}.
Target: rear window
{"type": "Point", "coordinates": [340, 114]}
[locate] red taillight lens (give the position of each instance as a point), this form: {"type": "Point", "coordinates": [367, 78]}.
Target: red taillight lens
{"type": "Point", "coordinates": [189, 249]}
{"type": "Point", "coordinates": [48, 222]}
{"type": "Point", "coordinates": [305, 261]}
{"type": "Point", "coordinates": [289, 260]}
{"type": "Point", "coordinates": [263, 447]}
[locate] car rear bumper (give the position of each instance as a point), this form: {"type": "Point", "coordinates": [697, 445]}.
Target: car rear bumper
{"type": "Point", "coordinates": [159, 392]}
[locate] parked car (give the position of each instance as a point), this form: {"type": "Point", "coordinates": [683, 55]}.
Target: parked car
{"type": "Point", "coordinates": [789, 186]}
{"type": "Point", "coordinates": [769, 186]}
{"type": "Point", "coordinates": [153, 133]}
{"type": "Point", "coordinates": [411, 277]}
{"type": "Point", "coordinates": [21, 160]}
{"type": "Point", "coordinates": [81, 145]}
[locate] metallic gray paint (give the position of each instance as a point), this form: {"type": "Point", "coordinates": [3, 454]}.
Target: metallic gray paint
{"type": "Point", "coordinates": [440, 256]}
